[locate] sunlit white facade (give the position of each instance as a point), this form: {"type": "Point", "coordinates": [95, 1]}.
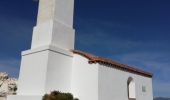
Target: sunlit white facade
{"type": "Point", "coordinates": [51, 64]}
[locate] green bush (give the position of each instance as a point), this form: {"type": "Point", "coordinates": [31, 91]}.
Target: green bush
{"type": "Point", "coordinates": [56, 95]}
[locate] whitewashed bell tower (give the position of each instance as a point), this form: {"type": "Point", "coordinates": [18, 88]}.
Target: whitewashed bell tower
{"type": "Point", "coordinates": [47, 65]}
{"type": "Point", "coordinates": [54, 24]}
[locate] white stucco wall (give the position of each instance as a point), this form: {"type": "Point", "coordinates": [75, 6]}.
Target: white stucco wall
{"type": "Point", "coordinates": [113, 84]}
{"type": "Point", "coordinates": [58, 75]}
{"type": "Point", "coordinates": [99, 82]}
{"type": "Point", "coordinates": [43, 70]}
{"type": "Point", "coordinates": [24, 97]}
{"type": "Point", "coordinates": [33, 73]}
{"type": "Point", "coordinates": [55, 33]}
{"type": "Point", "coordinates": [61, 70]}
{"type": "Point", "coordinates": [54, 24]}
{"type": "Point", "coordinates": [45, 11]}
{"type": "Point", "coordinates": [84, 79]}
{"type": "Point", "coordinates": [64, 10]}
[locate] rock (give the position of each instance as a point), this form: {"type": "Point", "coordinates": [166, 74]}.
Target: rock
{"type": "Point", "coordinates": [8, 86]}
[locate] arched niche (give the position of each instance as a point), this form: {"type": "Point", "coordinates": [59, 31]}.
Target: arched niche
{"type": "Point", "coordinates": [131, 88]}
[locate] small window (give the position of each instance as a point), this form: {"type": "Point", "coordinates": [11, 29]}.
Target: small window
{"type": "Point", "coordinates": [131, 89]}
{"type": "Point", "coordinates": [143, 89]}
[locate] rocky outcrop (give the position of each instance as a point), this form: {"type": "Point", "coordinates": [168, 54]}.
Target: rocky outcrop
{"type": "Point", "coordinates": [8, 86]}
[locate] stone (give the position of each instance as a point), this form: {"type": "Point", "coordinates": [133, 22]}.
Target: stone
{"type": "Point", "coordinates": [8, 86]}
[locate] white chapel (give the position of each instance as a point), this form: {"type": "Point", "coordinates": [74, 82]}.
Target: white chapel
{"type": "Point", "coordinates": [53, 64]}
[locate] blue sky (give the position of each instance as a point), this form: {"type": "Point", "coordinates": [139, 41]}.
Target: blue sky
{"type": "Point", "coordinates": [134, 32]}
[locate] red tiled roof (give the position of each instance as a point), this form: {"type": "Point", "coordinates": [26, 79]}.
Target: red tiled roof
{"type": "Point", "coordinates": [109, 62]}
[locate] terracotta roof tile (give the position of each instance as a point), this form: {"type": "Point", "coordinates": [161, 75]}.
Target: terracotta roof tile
{"type": "Point", "coordinates": [109, 62]}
